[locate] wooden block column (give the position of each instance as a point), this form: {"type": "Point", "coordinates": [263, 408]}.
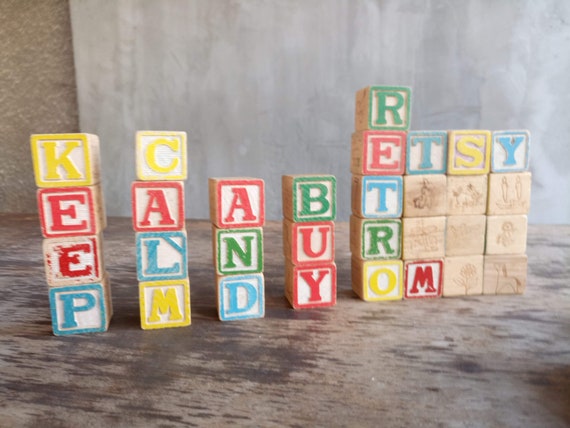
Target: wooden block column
{"type": "Point", "coordinates": [72, 217]}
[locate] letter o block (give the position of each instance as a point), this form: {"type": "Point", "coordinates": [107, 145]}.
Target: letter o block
{"type": "Point", "coordinates": [161, 155]}
{"type": "Point", "coordinates": [377, 280]}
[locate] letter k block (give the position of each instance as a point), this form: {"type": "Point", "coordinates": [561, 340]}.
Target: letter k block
{"type": "Point", "coordinates": [237, 202]}
{"type": "Point", "coordinates": [309, 198]}
{"type": "Point", "coordinates": [161, 155]}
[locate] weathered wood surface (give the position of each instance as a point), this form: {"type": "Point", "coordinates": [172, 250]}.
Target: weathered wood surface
{"type": "Point", "coordinates": [480, 361]}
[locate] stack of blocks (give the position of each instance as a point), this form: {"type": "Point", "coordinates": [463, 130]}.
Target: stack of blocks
{"type": "Point", "coordinates": [158, 220]}
{"type": "Point", "coordinates": [309, 211]}
{"type": "Point", "coordinates": [72, 217]}
{"type": "Point", "coordinates": [237, 213]}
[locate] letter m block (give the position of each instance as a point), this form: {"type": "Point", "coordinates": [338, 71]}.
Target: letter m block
{"type": "Point", "coordinates": [309, 198]}
{"type": "Point", "coordinates": [383, 108]}
{"type": "Point", "coordinates": [237, 202]}
{"type": "Point", "coordinates": [423, 279]}
{"type": "Point", "coordinates": [161, 155]}
{"type": "Point", "coordinates": [164, 304]}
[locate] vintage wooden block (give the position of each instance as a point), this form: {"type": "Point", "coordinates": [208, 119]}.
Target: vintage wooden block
{"type": "Point", "coordinates": [509, 193]}
{"type": "Point", "coordinates": [240, 297]}
{"type": "Point", "coordinates": [375, 239]}
{"type": "Point", "coordinates": [161, 256]}
{"type": "Point", "coordinates": [376, 280]}
{"type": "Point", "coordinates": [505, 274]}
{"type": "Point", "coordinates": [237, 202]}
{"type": "Point", "coordinates": [463, 276]}
{"type": "Point", "coordinates": [465, 235]}
{"type": "Point", "coordinates": [73, 260]}
{"type": "Point", "coordinates": [161, 155]}
{"type": "Point", "coordinates": [377, 196]}
{"type": "Point", "coordinates": [423, 238]}
{"type": "Point", "coordinates": [309, 198]}
{"type": "Point", "coordinates": [426, 152]}
{"type": "Point", "coordinates": [66, 160]}
{"type": "Point", "coordinates": [164, 304]}
{"type": "Point", "coordinates": [383, 108]}
{"type": "Point", "coordinates": [157, 205]}
{"type": "Point", "coordinates": [238, 251]}
{"type": "Point", "coordinates": [71, 211]}
{"type": "Point", "coordinates": [308, 243]}
{"type": "Point", "coordinates": [467, 194]}
{"type": "Point", "coordinates": [310, 286]}
{"type": "Point", "coordinates": [378, 152]}
{"type": "Point", "coordinates": [423, 279]}
{"type": "Point", "coordinates": [506, 234]}
{"type": "Point", "coordinates": [425, 195]}
{"type": "Point", "coordinates": [510, 151]}
{"type": "Point", "coordinates": [469, 152]}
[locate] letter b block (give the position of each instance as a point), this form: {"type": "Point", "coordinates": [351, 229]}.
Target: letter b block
{"type": "Point", "coordinates": [238, 251]}
{"type": "Point", "coordinates": [157, 205]}
{"type": "Point", "coordinates": [164, 304]}
{"type": "Point", "coordinates": [310, 286]}
{"type": "Point", "coordinates": [383, 108]}
{"type": "Point", "coordinates": [423, 279]}
{"type": "Point", "coordinates": [469, 152]}
{"type": "Point", "coordinates": [309, 198]}
{"type": "Point", "coordinates": [161, 155]}
{"type": "Point", "coordinates": [241, 297]}
{"type": "Point", "coordinates": [238, 202]}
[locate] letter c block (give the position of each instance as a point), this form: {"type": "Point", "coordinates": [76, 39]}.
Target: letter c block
{"type": "Point", "coordinates": [161, 155]}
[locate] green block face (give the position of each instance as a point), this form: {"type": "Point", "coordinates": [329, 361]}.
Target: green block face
{"type": "Point", "coordinates": [389, 108]}
{"type": "Point", "coordinates": [314, 198]}
{"type": "Point", "coordinates": [239, 251]}
{"type": "Point", "coordinates": [381, 239]}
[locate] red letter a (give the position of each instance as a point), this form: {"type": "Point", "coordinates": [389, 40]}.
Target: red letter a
{"type": "Point", "coordinates": [241, 201]}
{"type": "Point", "coordinates": [156, 196]}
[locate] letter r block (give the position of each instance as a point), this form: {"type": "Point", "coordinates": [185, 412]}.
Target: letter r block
{"type": "Point", "coordinates": [157, 205]}
{"type": "Point", "coordinates": [237, 202]}
{"type": "Point", "coordinates": [241, 297]}
{"type": "Point", "coordinates": [383, 108]}
{"type": "Point", "coordinates": [375, 239]}
{"type": "Point", "coordinates": [511, 151]}
{"type": "Point", "coordinates": [161, 256]}
{"type": "Point", "coordinates": [311, 286]}
{"type": "Point", "coordinates": [423, 279]}
{"type": "Point", "coordinates": [308, 243]}
{"type": "Point", "coordinates": [469, 152]}
{"type": "Point", "coordinates": [426, 152]}
{"type": "Point", "coordinates": [238, 251]}
{"type": "Point", "coordinates": [161, 155]}
{"type": "Point", "coordinates": [309, 198]}
{"type": "Point", "coordinates": [377, 196]}
{"type": "Point", "coordinates": [164, 304]}
{"type": "Point", "coordinates": [378, 152]}
{"type": "Point", "coordinates": [377, 280]}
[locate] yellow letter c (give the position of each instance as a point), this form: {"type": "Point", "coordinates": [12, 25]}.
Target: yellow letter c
{"type": "Point", "coordinates": [150, 155]}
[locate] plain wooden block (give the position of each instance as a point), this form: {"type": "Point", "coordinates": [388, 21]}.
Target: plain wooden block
{"type": "Point", "coordinates": [308, 243]}
{"type": "Point", "coordinates": [164, 304]}
{"type": "Point", "coordinates": [161, 156]}
{"type": "Point", "coordinates": [309, 198]}
{"type": "Point", "coordinates": [66, 160]}
{"type": "Point", "coordinates": [375, 239]}
{"type": "Point", "coordinates": [505, 274]}
{"type": "Point", "coordinates": [237, 202]}
{"type": "Point", "coordinates": [311, 286]}
{"type": "Point", "coordinates": [71, 211]}
{"type": "Point", "coordinates": [378, 152]}
{"type": "Point", "coordinates": [377, 196]}
{"type": "Point", "coordinates": [383, 108]}
{"type": "Point", "coordinates": [157, 205]}
{"type": "Point", "coordinates": [506, 234]}
{"type": "Point", "coordinates": [426, 152]}
{"type": "Point", "coordinates": [511, 151]}
{"type": "Point", "coordinates": [240, 297]}
{"type": "Point", "coordinates": [423, 237]}
{"type": "Point", "coordinates": [465, 235]}
{"type": "Point", "coordinates": [467, 195]}
{"type": "Point", "coordinates": [161, 256]}
{"type": "Point", "coordinates": [423, 279]}
{"type": "Point", "coordinates": [238, 251]}
{"type": "Point", "coordinates": [425, 195]}
{"type": "Point", "coordinates": [469, 152]}
{"type": "Point", "coordinates": [509, 193]}
{"type": "Point", "coordinates": [377, 280]}
{"type": "Point", "coordinates": [463, 276]}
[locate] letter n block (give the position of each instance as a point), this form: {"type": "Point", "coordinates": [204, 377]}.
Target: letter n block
{"type": "Point", "coordinates": [241, 297]}
{"type": "Point", "coordinates": [237, 202]}
{"type": "Point", "coordinates": [383, 108]}
{"type": "Point", "coordinates": [469, 152]}
{"type": "Point", "coordinates": [238, 251]}
{"type": "Point", "coordinates": [309, 198]}
{"type": "Point", "coordinates": [423, 279]}
{"type": "Point", "coordinates": [310, 286]}
{"type": "Point", "coordinates": [375, 239]}
{"type": "Point", "coordinates": [377, 196]}
{"type": "Point", "coordinates": [378, 152]}
{"type": "Point", "coordinates": [161, 256]}
{"type": "Point", "coordinates": [426, 152]}
{"type": "Point", "coordinates": [161, 155]}
{"type": "Point", "coordinates": [164, 304]}
{"type": "Point", "coordinates": [157, 205]}
{"type": "Point", "coordinates": [377, 280]}
{"type": "Point", "coordinates": [511, 151]}
{"type": "Point", "coordinates": [308, 243]}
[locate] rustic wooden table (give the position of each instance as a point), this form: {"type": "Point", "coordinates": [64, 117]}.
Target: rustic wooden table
{"type": "Point", "coordinates": [482, 361]}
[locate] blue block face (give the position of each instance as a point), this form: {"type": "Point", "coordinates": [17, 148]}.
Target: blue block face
{"type": "Point", "coordinates": [426, 152]}
{"type": "Point", "coordinates": [382, 196]}
{"type": "Point", "coordinates": [241, 297]}
{"type": "Point", "coordinates": [161, 256]}
{"type": "Point", "coordinates": [510, 151]}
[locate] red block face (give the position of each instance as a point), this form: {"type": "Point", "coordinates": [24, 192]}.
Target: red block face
{"type": "Point", "coordinates": [157, 205]}
{"type": "Point", "coordinates": [312, 286]}
{"type": "Point", "coordinates": [382, 153]}
{"type": "Point", "coordinates": [239, 203]}
{"type": "Point", "coordinates": [423, 279]}
{"type": "Point", "coordinates": [312, 243]}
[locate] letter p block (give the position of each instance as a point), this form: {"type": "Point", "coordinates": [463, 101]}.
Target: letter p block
{"type": "Point", "coordinates": [309, 198]}
{"type": "Point", "coordinates": [161, 155]}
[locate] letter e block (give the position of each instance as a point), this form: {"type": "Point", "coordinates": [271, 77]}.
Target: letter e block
{"type": "Point", "coordinates": [383, 108]}
{"type": "Point", "coordinates": [375, 239]}
{"type": "Point", "coordinates": [309, 198]}
{"type": "Point", "coordinates": [161, 155]}
{"type": "Point", "coordinates": [424, 279]}
{"type": "Point", "coordinates": [463, 276]}
{"type": "Point", "coordinates": [308, 243]}
{"type": "Point", "coordinates": [238, 202]}
{"type": "Point", "coordinates": [378, 152]}
{"type": "Point", "coordinates": [505, 274]}
{"type": "Point", "coordinates": [241, 297]}
{"type": "Point", "coordinates": [469, 152]}
{"type": "Point", "coordinates": [161, 256]}
{"type": "Point", "coordinates": [157, 205]}
{"type": "Point", "coordinates": [310, 286]}
{"type": "Point", "coordinates": [426, 152]}
{"type": "Point", "coordinates": [164, 304]}
{"type": "Point", "coordinates": [377, 280]}
{"type": "Point", "coordinates": [238, 251]}
{"type": "Point", "coordinates": [377, 196]}
{"type": "Point", "coordinates": [511, 151]}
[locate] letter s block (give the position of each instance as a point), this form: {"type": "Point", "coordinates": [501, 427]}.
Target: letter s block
{"type": "Point", "coordinates": [308, 243]}
{"type": "Point", "coordinates": [310, 286]}
{"type": "Point", "coordinates": [378, 152]}
{"type": "Point", "coordinates": [157, 205]}
{"type": "Point", "coordinates": [423, 279]}
{"type": "Point", "coordinates": [378, 279]}
{"type": "Point", "coordinates": [383, 108]}
{"type": "Point", "coordinates": [469, 152]}
{"type": "Point", "coordinates": [309, 198]}
{"type": "Point", "coordinates": [240, 297]}
{"type": "Point", "coordinates": [161, 155]}
{"type": "Point", "coordinates": [164, 304]}
{"type": "Point", "coordinates": [237, 202]}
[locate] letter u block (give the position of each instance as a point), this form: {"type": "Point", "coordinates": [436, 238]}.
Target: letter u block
{"type": "Point", "coordinates": [511, 151]}
{"type": "Point", "coordinates": [383, 108]}
{"type": "Point", "coordinates": [164, 304]}
{"type": "Point", "coordinates": [161, 256]}
{"type": "Point", "coordinates": [469, 152]}
{"type": "Point", "coordinates": [161, 155]}
{"type": "Point", "coordinates": [375, 239]}
{"type": "Point", "coordinates": [377, 280]}
{"type": "Point", "coordinates": [308, 243]}
{"type": "Point", "coordinates": [240, 297]}
{"type": "Point", "coordinates": [65, 160]}
{"type": "Point", "coordinates": [157, 205]}
{"type": "Point", "coordinates": [238, 251]}
{"type": "Point", "coordinates": [426, 152]}
{"type": "Point", "coordinates": [309, 198]}
{"type": "Point", "coordinates": [237, 202]}
{"type": "Point", "coordinates": [312, 286]}
{"type": "Point", "coordinates": [423, 279]}
{"type": "Point", "coordinates": [377, 196]}
{"type": "Point", "coordinates": [378, 152]}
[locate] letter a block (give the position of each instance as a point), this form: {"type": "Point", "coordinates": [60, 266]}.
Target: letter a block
{"type": "Point", "coordinates": [309, 198]}
{"type": "Point", "coordinates": [378, 279]}
{"type": "Point", "coordinates": [378, 152]}
{"type": "Point", "coordinates": [310, 286]}
{"type": "Point", "coordinates": [161, 256]}
{"type": "Point", "coordinates": [469, 152]}
{"type": "Point", "coordinates": [424, 279]}
{"type": "Point", "coordinates": [377, 196]}
{"type": "Point", "coordinates": [237, 202]}
{"type": "Point", "coordinates": [241, 297]}
{"type": "Point", "coordinates": [511, 150]}
{"type": "Point", "coordinates": [164, 304]}
{"type": "Point", "coordinates": [238, 251]}
{"type": "Point", "coordinates": [308, 243]}
{"type": "Point", "coordinates": [158, 205]}
{"type": "Point", "coordinates": [383, 108]}
{"type": "Point", "coordinates": [161, 155]}
{"type": "Point", "coordinates": [426, 152]}
{"type": "Point", "coordinates": [375, 239]}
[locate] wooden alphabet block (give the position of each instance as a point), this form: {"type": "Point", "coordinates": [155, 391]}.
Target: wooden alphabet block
{"type": "Point", "coordinates": [377, 196]}
{"type": "Point", "coordinates": [311, 286]}
{"type": "Point", "coordinates": [157, 205]}
{"type": "Point", "coordinates": [467, 195]}
{"type": "Point", "coordinates": [375, 239]}
{"type": "Point", "coordinates": [425, 195]}
{"type": "Point", "coordinates": [161, 155]}
{"type": "Point", "coordinates": [426, 152]}
{"type": "Point", "coordinates": [506, 234]}
{"type": "Point", "coordinates": [308, 243]}
{"type": "Point", "coordinates": [383, 108]}
{"type": "Point", "coordinates": [71, 211]}
{"type": "Point", "coordinates": [469, 152]}
{"type": "Point", "coordinates": [164, 304]}
{"type": "Point", "coordinates": [505, 274]}
{"type": "Point", "coordinates": [509, 193]}
{"type": "Point", "coordinates": [511, 151]}
{"type": "Point", "coordinates": [423, 279]}
{"type": "Point", "coordinates": [161, 256]}
{"type": "Point", "coordinates": [424, 237]}
{"type": "Point", "coordinates": [309, 198]}
{"type": "Point", "coordinates": [240, 297]}
{"type": "Point", "coordinates": [66, 160]}
{"type": "Point", "coordinates": [378, 152]}
{"type": "Point", "coordinates": [465, 235]}
{"type": "Point", "coordinates": [238, 251]}
{"type": "Point", "coordinates": [237, 202]}
{"type": "Point", "coordinates": [376, 280]}
{"type": "Point", "coordinates": [463, 276]}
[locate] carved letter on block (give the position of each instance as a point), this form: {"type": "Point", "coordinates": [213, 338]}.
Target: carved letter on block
{"type": "Point", "coordinates": [424, 279]}
{"type": "Point", "coordinates": [378, 152]}
{"type": "Point", "coordinates": [426, 152]}
{"type": "Point", "coordinates": [161, 256]}
{"type": "Point", "coordinates": [469, 152]}
{"type": "Point", "coordinates": [310, 286]}
{"type": "Point", "coordinates": [241, 297]}
{"type": "Point", "coordinates": [308, 243]}
{"type": "Point", "coordinates": [164, 304]}
{"type": "Point", "coordinates": [375, 239]}
{"type": "Point", "coordinates": [238, 202]}
{"type": "Point", "coordinates": [377, 280]}
{"type": "Point", "coordinates": [158, 205]}
{"type": "Point", "coordinates": [161, 155]}
{"type": "Point", "coordinates": [309, 198]}
{"type": "Point", "coordinates": [238, 251]}
{"type": "Point", "coordinates": [511, 150]}
{"type": "Point", "coordinates": [377, 196]}
{"type": "Point", "coordinates": [383, 108]}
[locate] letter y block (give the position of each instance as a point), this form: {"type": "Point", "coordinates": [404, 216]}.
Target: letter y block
{"type": "Point", "coordinates": [311, 286]}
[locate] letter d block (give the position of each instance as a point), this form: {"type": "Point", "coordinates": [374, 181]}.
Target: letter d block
{"type": "Point", "coordinates": [511, 151]}
{"type": "Point", "coordinates": [377, 280]}
{"type": "Point", "coordinates": [310, 286]}
{"type": "Point", "coordinates": [164, 304]}
{"type": "Point", "coordinates": [161, 256]}
{"type": "Point", "coordinates": [238, 251]}
{"type": "Point", "coordinates": [383, 108]}
{"type": "Point", "coordinates": [309, 198]}
{"type": "Point", "coordinates": [161, 155]}
{"type": "Point", "coordinates": [375, 239]}
{"type": "Point", "coordinates": [469, 152]}
{"type": "Point", "coordinates": [377, 196]}
{"type": "Point", "coordinates": [423, 279]}
{"type": "Point", "coordinates": [238, 202]}
{"type": "Point", "coordinates": [157, 205]}
{"type": "Point", "coordinates": [378, 152]}
{"type": "Point", "coordinates": [308, 243]}
{"type": "Point", "coordinates": [241, 297]}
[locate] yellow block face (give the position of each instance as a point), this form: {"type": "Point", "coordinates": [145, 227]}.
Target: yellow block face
{"type": "Point", "coordinates": [383, 280]}
{"type": "Point", "coordinates": [161, 155]}
{"type": "Point", "coordinates": [469, 152]}
{"type": "Point", "coordinates": [164, 304]}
